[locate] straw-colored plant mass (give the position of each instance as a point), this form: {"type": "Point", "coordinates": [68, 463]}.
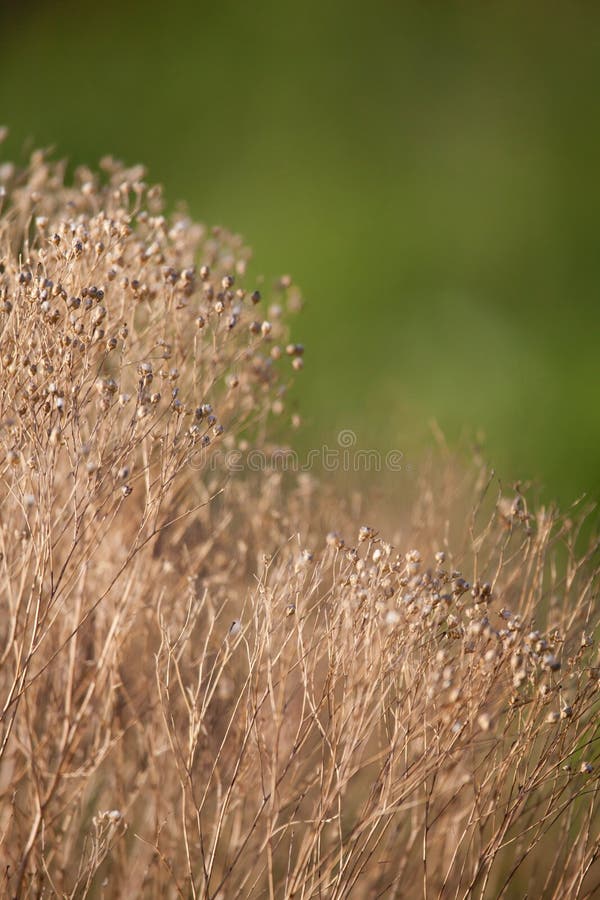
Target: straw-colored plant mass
{"type": "Point", "coordinates": [204, 692]}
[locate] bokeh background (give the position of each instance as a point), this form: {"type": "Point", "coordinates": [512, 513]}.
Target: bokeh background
{"type": "Point", "coordinates": [428, 173]}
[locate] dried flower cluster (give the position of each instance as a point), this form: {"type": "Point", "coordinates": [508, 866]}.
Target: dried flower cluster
{"type": "Point", "coordinates": [197, 702]}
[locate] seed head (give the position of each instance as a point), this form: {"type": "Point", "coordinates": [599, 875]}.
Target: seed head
{"type": "Point", "coordinates": [484, 721]}
{"type": "Point", "coordinates": [334, 539]}
{"type": "Point", "coordinates": [551, 662]}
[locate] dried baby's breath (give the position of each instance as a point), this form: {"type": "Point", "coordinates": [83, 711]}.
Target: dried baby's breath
{"type": "Point", "coordinates": [259, 719]}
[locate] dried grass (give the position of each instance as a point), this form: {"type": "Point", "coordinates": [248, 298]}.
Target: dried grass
{"type": "Point", "coordinates": [195, 705]}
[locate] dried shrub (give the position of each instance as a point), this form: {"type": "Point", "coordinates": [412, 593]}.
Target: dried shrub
{"type": "Point", "coordinates": [193, 703]}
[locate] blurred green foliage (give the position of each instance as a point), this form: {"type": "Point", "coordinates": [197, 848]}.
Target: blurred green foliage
{"type": "Point", "coordinates": [426, 172]}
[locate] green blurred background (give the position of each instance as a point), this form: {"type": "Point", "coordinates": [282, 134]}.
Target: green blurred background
{"type": "Point", "coordinates": [428, 173]}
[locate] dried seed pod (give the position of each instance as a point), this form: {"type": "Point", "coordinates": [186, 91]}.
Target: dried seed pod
{"type": "Point", "coordinates": [334, 539]}
{"type": "Point", "coordinates": [551, 662]}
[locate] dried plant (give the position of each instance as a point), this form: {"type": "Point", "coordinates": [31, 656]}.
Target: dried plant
{"type": "Point", "coordinates": [193, 703]}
